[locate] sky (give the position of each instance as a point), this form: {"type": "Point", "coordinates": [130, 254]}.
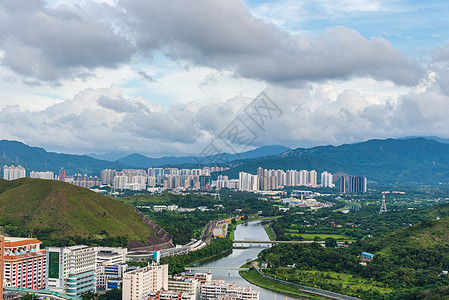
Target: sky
{"type": "Point", "coordinates": [200, 77]}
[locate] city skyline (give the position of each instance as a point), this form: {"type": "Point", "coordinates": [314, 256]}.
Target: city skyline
{"type": "Point", "coordinates": [130, 80]}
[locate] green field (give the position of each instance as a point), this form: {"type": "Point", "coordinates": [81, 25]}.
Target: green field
{"type": "Point", "coordinates": [344, 283]}
{"type": "Point", "coordinates": [310, 236]}
{"type": "Point", "coordinates": [255, 278]}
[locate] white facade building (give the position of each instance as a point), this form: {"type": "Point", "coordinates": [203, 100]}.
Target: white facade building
{"type": "Point", "coordinates": [188, 286]}
{"type": "Point", "coordinates": [120, 182]}
{"type": "Point", "coordinates": [327, 180]}
{"type": "Point", "coordinates": [110, 267]}
{"type": "Point", "coordinates": [138, 284]}
{"type": "Point", "coordinates": [248, 182]}
{"type": "Point", "coordinates": [218, 289]}
{"type": "Point", "coordinates": [72, 270]}
{"type": "Point", "coordinates": [13, 173]}
{"type": "Point", "coordinates": [42, 175]}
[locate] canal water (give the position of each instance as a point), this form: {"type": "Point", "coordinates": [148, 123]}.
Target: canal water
{"type": "Point", "coordinates": [246, 231]}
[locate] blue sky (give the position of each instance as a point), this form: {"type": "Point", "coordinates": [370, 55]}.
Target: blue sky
{"type": "Point", "coordinates": [166, 78]}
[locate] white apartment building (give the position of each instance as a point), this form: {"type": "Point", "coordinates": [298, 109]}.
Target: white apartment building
{"type": "Point", "coordinates": [120, 182]}
{"type": "Point", "coordinates": [327, 180]}
{"type": "Point", "coordinates": [72, 270]}
{"type": "Point", "coordinates": [42, 175]}
{"type": "Point", "coordinates": [138, 284]}
{"type": "Point", "coordinates": [248, 182]}
{"type": "Point", "coordinates": [13, 173]}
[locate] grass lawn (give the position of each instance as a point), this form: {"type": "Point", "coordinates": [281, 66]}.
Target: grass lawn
{"type": "Point", "coordinates": [348, 283]}
{"type": "Point", "coordinates": [269, 232]}
{"type": "Point", "coordinates": [322, 236]}
{"type": "Point", "coordinates": [253, 277]}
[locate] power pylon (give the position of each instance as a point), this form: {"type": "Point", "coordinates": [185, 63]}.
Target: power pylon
{"type": "Point", "coordinates": [383, 207]}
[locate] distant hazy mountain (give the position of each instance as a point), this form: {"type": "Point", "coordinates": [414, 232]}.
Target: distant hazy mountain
{"type": "Point", "coordinates": [37, 159]}
{"type": "Point", "coordinates": [142, 161]}
{"type": "Point", "coordinates": [413, 160]}
{"type": "Point", "coordinates": [109, 156]}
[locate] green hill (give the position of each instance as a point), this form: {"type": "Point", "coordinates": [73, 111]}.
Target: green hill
{"type": "Point", "coordinates": [51, 209]}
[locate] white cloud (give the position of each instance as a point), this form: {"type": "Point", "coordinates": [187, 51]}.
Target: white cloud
{"type": "Point", "coordinates": [105, 120]}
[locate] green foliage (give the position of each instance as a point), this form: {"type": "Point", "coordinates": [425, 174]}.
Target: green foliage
{"type": "Point", "coordinates": [188, 225]}
{"type": "Point", "coordinates": [410, 261]}
{"type": "Point", "coordinates": [114, 294]}
{"type": "Point", "coordinates": [27, 296]}
{"type": "Point", "coordinates": [88, 296]}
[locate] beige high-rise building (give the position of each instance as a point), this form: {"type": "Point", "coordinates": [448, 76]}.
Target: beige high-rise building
{"type": "Point", "coordinates": [138, 284]}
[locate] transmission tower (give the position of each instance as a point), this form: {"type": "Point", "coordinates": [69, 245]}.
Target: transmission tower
{"type": "Point", "coordinates": [383, 207]}
{"type": "Point", "coordinates": [217, 195]}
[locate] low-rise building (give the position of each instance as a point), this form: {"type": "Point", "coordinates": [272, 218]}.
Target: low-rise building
{"type": "Point", "coordinates": [111, 267]}
{"type": "Point", "coordinates": [184, 285]}
{"type": "Point", "coordinates": [170, 295]}
{"type": "Point", "coordinates": [219, 289]}
{"type": "Point", "coordinates": [201, 277]}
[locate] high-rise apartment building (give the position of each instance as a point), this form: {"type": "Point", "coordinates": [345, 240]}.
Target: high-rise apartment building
{"type": "Point", "coordinates": [107, 176]}
{"type": "Point", "coordinates": [24, 263]}
{"type": "Point", "coordinates": [72, 270]}
{"type": "Point", "coordinates": [138, 284]}
{"type": "Point", "coordinates": [313, 178]}
{"type": "Point", "coordinates": [62, 174]}
{"type": "Point", "coordinates": [357, 184]}
{"type": "Point", "coordinates": [13, 173]}
{"type": "Point", "coordinates": [327, 180]}
{"type": "Point", "coordinates": [248, 182]}
{"type": "Point", "coordinates": [342, 184]}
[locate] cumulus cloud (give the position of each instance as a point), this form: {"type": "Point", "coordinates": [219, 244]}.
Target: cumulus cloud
{"type": "Point", "coordinates": [65, 42]}
{"type": "Point", "coordinates": [103, 120]}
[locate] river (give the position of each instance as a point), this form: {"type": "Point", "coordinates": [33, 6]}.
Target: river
{"type": "Point", "coordinates": [246, 231]}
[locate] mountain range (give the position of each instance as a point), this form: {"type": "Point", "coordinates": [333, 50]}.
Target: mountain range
{"type": "Point", "coordinates": [413, 160]}
{"type": "Point", "coordinates": [37, 159]}
{"type": "Point", "coordinates": [409, 160]}
{"type": "Point", "coordinates": [140, 161]}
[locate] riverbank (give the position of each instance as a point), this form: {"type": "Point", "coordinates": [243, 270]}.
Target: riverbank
{"type": "Point", "coordinates": [257, 277]}
{"type": "Point", "coordinates": [253, 277]}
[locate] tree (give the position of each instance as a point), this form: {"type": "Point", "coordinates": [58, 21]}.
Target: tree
{"type": "Point", "coordinates": [330, 242]}
{"type": "Point", "coordinates": [27, 296]}
{"type": "Point", "coordinates": [114, 294]}
{"type": "Point", "coordinates": [88, 295]}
